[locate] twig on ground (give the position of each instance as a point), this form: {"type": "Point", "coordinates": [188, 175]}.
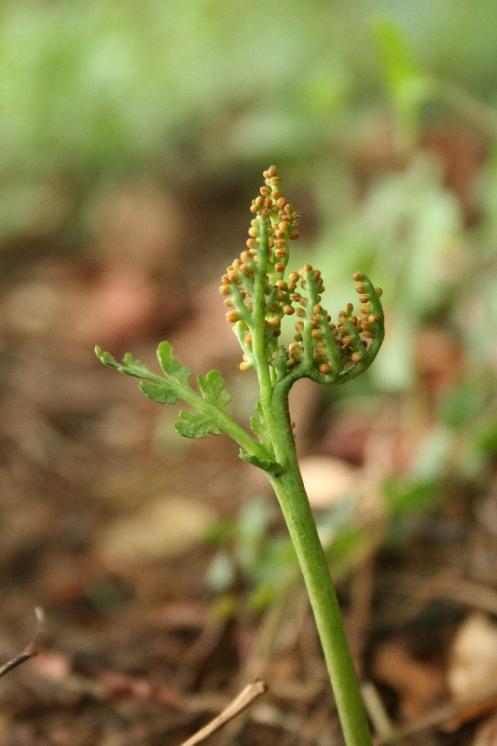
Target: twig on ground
{"type": "Point", "coordinates": [206, 643]}
{"type": "Point", "coordinates": [376, 710]}
{"type": "Point", "coordinates": [462, 591]}
{"type": "Point", "coordinates": [237, 705]}
{"type": "Point", "coordinates": [29, 651]}
{"type": "Point", "coordinates": [448, 585]}
{"type": "Point", "coordinates": [448, 717]}
{"type": "Point", "coordinates": [14, 662]}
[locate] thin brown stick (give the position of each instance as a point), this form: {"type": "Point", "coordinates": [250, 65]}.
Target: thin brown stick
{"type": "Point", "coordinates": [447, 585]}
{"type": "Point", "coordinates": [258, 657]}
{"type": "Point", "coordinates": [376, 710]}
{"type": "Point", "coordinates": [29, 651]}
{"type": "Point", "coordinates": [14, 662]}
{"type": "Point", "coordinates": [237, 705]}
{"type": "Point", "coordinates": [464, 592]}
{"type": "Point", "coordinates": [448, 717]}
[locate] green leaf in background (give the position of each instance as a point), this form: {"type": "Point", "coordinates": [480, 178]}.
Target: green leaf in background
{"type": "Point", "coordinates": [221, 573]}
{"type": "Point", "coordinates": [171, 365]}
{"type": "Point", "coordinates": [196, 425]}
{"type": "Point", "coordinates": [486, 440]}
{"type": "Point", "coordinates": [433, 456]}
{"type": "Point", "coordinates": [213, 389]}
{"type": "Point", "coordinates": [399, 63]}
{"type": "Point", "coordinates": [406, 497]}
{"type": "Point", "coordinates": [409, 232]}
{"type": "Point", "coordinates": [408, 84]}
{"type": "Point", "coordinates": [460, 406]}
{"type": "Point", "coordinates": [273, 567]}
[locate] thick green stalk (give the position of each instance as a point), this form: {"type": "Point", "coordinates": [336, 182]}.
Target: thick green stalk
{"type": "Point", "coordinates": [292, 497]}
{"type": "Point", "coordinates": [290, 491]}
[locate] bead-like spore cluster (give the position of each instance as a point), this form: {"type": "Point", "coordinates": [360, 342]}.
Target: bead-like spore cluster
{"type": "Point", "coordinates": [258, 297]}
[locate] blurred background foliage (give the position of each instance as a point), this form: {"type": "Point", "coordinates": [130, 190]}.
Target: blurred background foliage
{"type": "Point", "coordinates": [382, 118]}
{"type": "Point", "coordinates": [100, 90]}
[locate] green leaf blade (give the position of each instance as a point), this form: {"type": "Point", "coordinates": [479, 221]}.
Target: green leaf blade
{"type": "Point", "coordinates": [129, 366]}
{"type": "Point", "coordinates": [213, 389]}
{"type": "Point", "coordinates": [161, 392]}
{"type": "Point", "coordinates": [171, 365]}
{"type": "Point", "coordinates": [196, 425]}
{"type": "Point", "coordinates": [106, 358]}
{"type": "Point", "coordinates": [133, 367]}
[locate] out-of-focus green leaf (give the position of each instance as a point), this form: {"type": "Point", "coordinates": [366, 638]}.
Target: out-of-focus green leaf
{"type": "Point", "coordinates": [345, 543]}
{"type": "Point", "coordinates": [463, 403]}
{"type": "Point", "coordinates": [406, 234]}
{"type": "Point", "coordinates": [405, 496]}
{"type": "Point", "coordinates": [486, 441]}
{"type": "Point", "coordinates": [433, 457]}
{"type": "Point", "coordinates": [252, 526]}
{"type": "Point", "coordinates": [408, 84]}
{"type": "Point", "coordinates": [220, 532]}
{"type": "Point", "coordinates": [276, 563]}
{"type": "Point", "coordinates": [221, 572]}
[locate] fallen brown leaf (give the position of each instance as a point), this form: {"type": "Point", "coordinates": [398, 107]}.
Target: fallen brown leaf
{"type": "Point", "coordinates": [419, 684]}
{"type": "Point", "coordinates": [473, 668]}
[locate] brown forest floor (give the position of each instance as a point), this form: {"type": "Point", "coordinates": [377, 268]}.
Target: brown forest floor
{"type": "Point", "coordinates": [103, 516]}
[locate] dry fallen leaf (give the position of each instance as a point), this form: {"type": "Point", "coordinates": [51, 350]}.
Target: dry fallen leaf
{"type": "Point", "coordinates": [163, 527]}
{"type": "Point", "coordinates": [473, 668]}
{"type": "Point", "coordinates": [327, 480]}
{"type": "Point", "coordinates": [419, 684]}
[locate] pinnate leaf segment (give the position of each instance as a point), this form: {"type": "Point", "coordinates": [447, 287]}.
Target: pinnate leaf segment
{"type": "Point", "coordinates": [174, 385]}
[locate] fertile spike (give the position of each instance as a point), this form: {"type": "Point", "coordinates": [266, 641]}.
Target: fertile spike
{"type": "Point", "coordinates": [321, 350]}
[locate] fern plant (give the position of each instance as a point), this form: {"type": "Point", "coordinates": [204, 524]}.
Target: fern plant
{"type": "Point", "coordinates": [259, 294]}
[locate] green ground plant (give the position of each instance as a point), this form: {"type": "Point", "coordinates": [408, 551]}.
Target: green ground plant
{"type": "Point", "coordinates": [259, 295]}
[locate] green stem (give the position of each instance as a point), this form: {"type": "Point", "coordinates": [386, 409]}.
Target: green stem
{"type": "Point", "coordinates": [226, 423]}
{"type": "Point", "coordinates": [258, 321]}
{"type": "Point", "coordinates": [292, 497]}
